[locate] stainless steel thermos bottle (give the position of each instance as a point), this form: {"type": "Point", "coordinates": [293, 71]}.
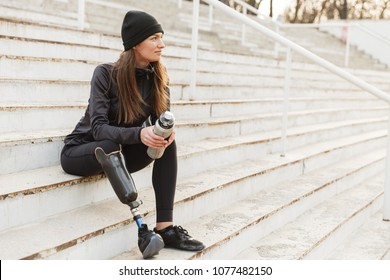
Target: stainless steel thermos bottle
{"type": "Point", "coordinates": [163, 127]}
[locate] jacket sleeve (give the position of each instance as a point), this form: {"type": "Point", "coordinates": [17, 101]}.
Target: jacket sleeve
{"type": "Point", "coordinates": [99, 107]}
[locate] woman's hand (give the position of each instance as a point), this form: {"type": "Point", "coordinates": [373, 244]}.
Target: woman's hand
{"type": "Point", "coordinates": [150, 139]}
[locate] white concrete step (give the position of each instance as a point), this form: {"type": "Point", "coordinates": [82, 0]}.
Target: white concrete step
{"type": "Point", "coordinates": [76, 70]}
{"type": "Point", "coordinates": [319, 231]}
{"type": "Point", "coordinates": [371, 241]}
{"type": "Point", "coordinates": [33, 31]}
{"type": "Point", "coordinates": [262, 205]}
{"type": "Point", "coordinates": [222, 92]}
{"type": "Point", "coordinates": [30, 150]}
{"type": "Point", "coordinates": [63, 7]}
{"type": "Point", "coordinates": [40, 193]}
{"type": "Point", "coordinates": [82, 49]}
{"type": "Point", "coordinates": [219, 155]}
{"type": "Point", "coordinates": [18, 91]}
{"type": "Point", "coordinates": [330, 48]}
{"type": "Point", "coordinates": [28, 28]}
{"type": "Point", "coordinates": [43, 33]}
{"type": "Point", "coordinates": [221, 127]}
{"type": "Point", "coordinates": [50, 92]}
{"type": "Point", "coordinates": [33, 194]}
{"type": "Point", "coordinates": [45, 146]}
{"type": "Point", "coordinates": [30, 117]}
{"type": "Point", "coordinates": [39, 31]}
{"type": "Point", "coordinates": [20, 46]}
{"type": "Point", "coordinates": [33, 68]}
{"type": "Point", "coordinates": [26, 118]}
{"type": "Point", "coordinates": [115, 225]}
{"type": "Point", "coordinates": [114, 52]}
{"type": "Point", "coordinates": [238, 25]}
{"type": "Point", "coordinates": [26, 91]}
{"type": "Point", "coordinates": [23, 13]}
{"type": "Point", "coordinates": [225, 108]}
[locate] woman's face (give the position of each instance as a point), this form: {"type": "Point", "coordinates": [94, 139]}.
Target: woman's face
{"type": "Point", "coordinates": [149, 50]}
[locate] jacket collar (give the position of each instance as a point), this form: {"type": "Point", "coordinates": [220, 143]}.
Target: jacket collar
{"type": "Point", "coordinates": [144, 73]}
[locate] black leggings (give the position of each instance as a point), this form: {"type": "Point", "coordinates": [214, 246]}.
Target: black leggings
{"type": "Point", "coordinates": [80, 160]}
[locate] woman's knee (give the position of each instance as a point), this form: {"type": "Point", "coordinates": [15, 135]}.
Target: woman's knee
{"type": "Point", "coordinates": [171, 150]}
{"type": "Point", "coordinates": [136, 157]}
{"type": "Point", "coordinates": [108, 146]}
{"type": "Point", "coordinates": [81, 160]}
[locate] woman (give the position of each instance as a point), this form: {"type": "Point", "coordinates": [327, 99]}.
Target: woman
{"type": "Point", "coordinates": [123, 96]}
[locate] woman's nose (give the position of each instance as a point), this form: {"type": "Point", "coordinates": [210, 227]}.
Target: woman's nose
{"type": "Point", "coordinates": [161, 43]}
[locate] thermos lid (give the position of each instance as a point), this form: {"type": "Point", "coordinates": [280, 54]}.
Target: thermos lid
{"type": "Point", "coordinates": [167, 119]}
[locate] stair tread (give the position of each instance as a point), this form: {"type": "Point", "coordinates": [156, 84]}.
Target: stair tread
{"type": "Point", "coordinates": [76, 217]}
{"type": "Point", "coordinates": [38, 180]}
{"type": "Point", "coordinates": [41, 238]}
{"type": "Point", "coordinates": [177, 71]}
{"type": "Point", "coordinates": [58, 133]}
{"type": "Point", "coordinates": [190, 102]}
{"type": "Point", "coordinates": [43, 105]}
{"type": "Point", "coordinates": [297, 238]}
{"type": "Point", "coordinates": [33, 136]}
{"type": "Point", "coordinates": [69, 217]}
{"type": "Point", "coordinates": [169, 54]}
{"type": "Point", "coordinates": [24, 181]}
{"type": "Point", "coordinates": [8, 236]}
{"type": "Point", "coordinates": [175, 36]}
{"type": "Point", "coordinates": [215, 143]}
{"type": "Point", "coordinates": [40, 104]}
{"type": "Point", "coordinates": [226, 223]}
{"type": "Point", "coordinates": [370, 242]}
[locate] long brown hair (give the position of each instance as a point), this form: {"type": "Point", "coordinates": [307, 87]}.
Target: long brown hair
{"type": "Point", "coordinates": [130, 99]}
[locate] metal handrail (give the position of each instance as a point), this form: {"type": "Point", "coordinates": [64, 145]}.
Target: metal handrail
{"type": "Point", "coordinates": [346, 24]}
{"type": "Point", "coordinates": [325, 64]}
{"type": "Point", "coordinates": [315, 58]}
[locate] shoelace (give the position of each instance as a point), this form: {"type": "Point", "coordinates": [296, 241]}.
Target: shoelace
{"type": "Point", "coordinates": [182, 232]}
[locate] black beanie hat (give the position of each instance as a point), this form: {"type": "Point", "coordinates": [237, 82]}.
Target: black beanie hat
{"type": "Point", "coordinates": [136, 27]}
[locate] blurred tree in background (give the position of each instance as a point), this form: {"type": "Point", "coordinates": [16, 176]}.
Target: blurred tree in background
{"type": "Point", "coordinates": [313, 11]}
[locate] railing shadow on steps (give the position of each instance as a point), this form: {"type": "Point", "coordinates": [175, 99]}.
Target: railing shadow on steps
{"type": "Point", "coordinates": [291, 46]}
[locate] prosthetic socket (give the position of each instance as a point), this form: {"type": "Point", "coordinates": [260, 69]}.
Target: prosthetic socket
{"type": "Point", "coordinates": [163, 127]}
{"type": "Point", "coordinates": [114, 167]}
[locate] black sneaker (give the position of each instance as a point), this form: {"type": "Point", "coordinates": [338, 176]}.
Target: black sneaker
{"type": "Point", "coordinates": [149, 242]}
{"type": "Point", "coordinates": [177, 237]}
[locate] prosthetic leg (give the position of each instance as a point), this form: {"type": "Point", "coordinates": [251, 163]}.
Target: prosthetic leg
{"type": "Point", "coordinates": [114, 167]}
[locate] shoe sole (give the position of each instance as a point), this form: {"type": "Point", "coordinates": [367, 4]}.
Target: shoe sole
{"type": "Point", "coordinates": [155, 245]}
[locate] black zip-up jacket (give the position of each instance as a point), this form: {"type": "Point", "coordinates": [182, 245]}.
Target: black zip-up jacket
{"type": "Point", "coordinates": [99, 121]}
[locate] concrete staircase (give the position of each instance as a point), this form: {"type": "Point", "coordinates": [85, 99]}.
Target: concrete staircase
{"type": "Point", "coordinates": [322, 200]}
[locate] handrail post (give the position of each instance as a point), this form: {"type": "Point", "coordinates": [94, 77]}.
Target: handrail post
{"type": "Point", "coordinates": [386, 202]}
{"type": "Point", "coordinates": [81, 14]}
{"type": "Point", "coordinates": [277, 46]}
{"type": "Point", "coordinates": [194, 48]}
{"type": "Point", "coordinates": [286, 100]}
{"type": "Point", "coordinates": [243, 34]}
{"type": "Point", "coordinates": [211, 11]}
{"type": "Point", "coordinates": [347, 44]}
